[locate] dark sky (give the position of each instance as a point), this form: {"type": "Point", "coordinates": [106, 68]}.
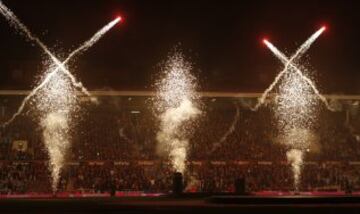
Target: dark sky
{"type": "Point", "coordinates": [222, 38]}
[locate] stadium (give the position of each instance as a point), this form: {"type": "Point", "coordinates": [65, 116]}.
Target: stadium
{"type": "Point", "coordinates": [112, 157]}
{"type": "Point", "coordinates": [185, 107]}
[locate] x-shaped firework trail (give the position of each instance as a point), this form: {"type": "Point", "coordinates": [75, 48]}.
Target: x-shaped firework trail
{"type": "Point", "coordinates": [289, 63]}
{"type": "Point", "coordinates": [61, 66]}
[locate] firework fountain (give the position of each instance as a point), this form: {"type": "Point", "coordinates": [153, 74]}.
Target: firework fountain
{"type": "Point", "coordinates": [55, 104]}
{"type": "Point", "coordinates": [177, 108]}
{"type": "Point", "coordinates": [296, 105]}
{"type": "Point", "coordinates": [295, 112]}
{"type": "Point", "coordinates": [55, 96]}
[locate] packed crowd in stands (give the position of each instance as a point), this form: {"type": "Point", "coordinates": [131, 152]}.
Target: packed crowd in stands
{"type": "Point", "coordinates": [113, 145]}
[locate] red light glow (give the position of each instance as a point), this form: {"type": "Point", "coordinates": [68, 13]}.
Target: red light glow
{"type": "Point", "coordinates": [120, 18]}
{"type": "Point", "coordinates": [265, 40]}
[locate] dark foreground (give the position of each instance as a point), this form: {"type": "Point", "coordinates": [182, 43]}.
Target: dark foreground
{"type": "Point", "coordinates": [185, 204]}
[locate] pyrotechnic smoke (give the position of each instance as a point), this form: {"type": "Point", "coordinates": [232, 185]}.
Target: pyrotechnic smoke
{"type": "Point", "coordinates": [295, 157]}
{"type": "Point", "coordinates": [171, 136]}
{"type": "Point", "coordinates": [14, 21]}
{"type": "Point", "coordinates": [55, 127]}
{"type": "Point", "coordinates": [299, 138]}
{"type": "Point", "coordinates": [177, 108]}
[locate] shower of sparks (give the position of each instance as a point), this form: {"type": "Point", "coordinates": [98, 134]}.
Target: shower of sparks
{"type": "Point", "coordinates": [289, 63]}
{"type": "Point", "coordinates": [177, 109]}
{"type": "Point", "coordinates": [295, 102]}
{"type": "Point", "coordinates": [296, 114]}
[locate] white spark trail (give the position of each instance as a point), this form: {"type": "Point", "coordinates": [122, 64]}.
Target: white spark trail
{"type": "Point", "coordinates": [285, 60]}
{"type": "Point", "coordinates": [17, 24]}
{"type": "Point", "coordinates": [85, 46]}
{"type": "Point", "coordinates": [303, 48]}
{"type": "Point", "coordinates": [230, 130]}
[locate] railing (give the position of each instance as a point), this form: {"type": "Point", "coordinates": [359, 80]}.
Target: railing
{"type": "Point", "coordinates": [193, 163]}
{"type": "Point", "coordinates": [202, 94]}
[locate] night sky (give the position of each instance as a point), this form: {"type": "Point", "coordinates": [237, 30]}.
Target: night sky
{"type": "Point", "coordinates": [222, 38]}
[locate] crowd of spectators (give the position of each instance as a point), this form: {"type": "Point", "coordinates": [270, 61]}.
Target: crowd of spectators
{"type": "Point", "coordinates": [16, 177]}
{"type": "Point", "coordinates": [115, 145]}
